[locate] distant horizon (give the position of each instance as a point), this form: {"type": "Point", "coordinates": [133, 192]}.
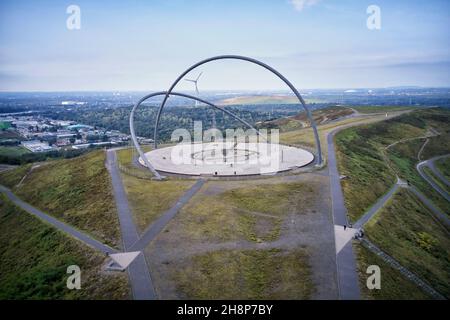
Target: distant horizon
{"type": "Point", "coordinates": [315, 44]}
{"type": "Point", "coordinates": [228, 90]}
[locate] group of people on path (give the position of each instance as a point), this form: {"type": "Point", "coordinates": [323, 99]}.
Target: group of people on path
{"type": "Point", "coordinates": [358, 234]}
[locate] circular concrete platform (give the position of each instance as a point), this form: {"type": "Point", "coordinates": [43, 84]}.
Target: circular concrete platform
{"type": "Point", "coordinates": [228, 159]}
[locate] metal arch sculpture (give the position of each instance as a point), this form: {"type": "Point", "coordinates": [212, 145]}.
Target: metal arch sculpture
{"type": "Point", "coordinates": [160, 93]}
{"type": "Point", "coordinates": [267, 67]}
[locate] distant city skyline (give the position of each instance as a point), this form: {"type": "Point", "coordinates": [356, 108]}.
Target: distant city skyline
{"type": "Point", "coordinates": [144, 45]}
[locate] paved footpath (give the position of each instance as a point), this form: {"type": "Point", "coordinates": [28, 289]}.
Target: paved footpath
{"type": "Point", "coordinates": [377, 206]}
{"type": "Point", "coordinates": [345, 258]}
{"type": "Point", "coordinates": [58, 224]}
{"type": "Point", "coordinates": [138, 271]}
{"type": "Point", "coordinates": [348, 283]}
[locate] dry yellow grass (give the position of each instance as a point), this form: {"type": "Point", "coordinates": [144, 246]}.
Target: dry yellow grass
{"type": "Point", "coordinates": [149, 199]}
{"type": "Point", "coordinates": [253, 213]}
{"type": "Point", "coordinates": [249, 274]}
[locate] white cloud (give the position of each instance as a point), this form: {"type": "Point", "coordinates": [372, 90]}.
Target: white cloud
{"type": "Point", "coordinates": [299, 5]}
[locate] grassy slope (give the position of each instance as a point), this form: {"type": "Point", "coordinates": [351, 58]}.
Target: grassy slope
{"type": "Point", "coordinates": [368, 177]}
{"type": "Point", "coordinates": [404, 157]}
{"type": "Point", "coordinates": [435, 179]}
{"type": "Point", "coordinates": [305, 137]}
{"type": "Point", "coordinates": [443, 165]}
{"type": "Point", "coordinates": [360, 156]}
{"type": "Point", "coordinates": [34, 258]}
{"type": "Point", "coordinates": [231, 215]}
{"type": "Point", "coordinates": [439, 145]}
{"type": "Point", "coordinates": [394, 286]}
{"type": "Point", "coordinates": [148, 199]}
{"type": "Point", "coordinates": [251, 274]}
{"type": "Point", "coordinates": [77, 191]}
{"type": "Point", "coordinates": [406, 230]}
{"type": "Point", "coordinates": [12, 151]}
{"type": "Point", "coordinates": [11, 178]}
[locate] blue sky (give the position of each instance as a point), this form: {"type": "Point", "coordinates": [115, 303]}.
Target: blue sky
{"type": "Point", "coordinates": [144, 45]}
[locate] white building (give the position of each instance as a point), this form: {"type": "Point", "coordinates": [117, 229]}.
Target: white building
{"type": "Point", "coordinates": [37, 146]}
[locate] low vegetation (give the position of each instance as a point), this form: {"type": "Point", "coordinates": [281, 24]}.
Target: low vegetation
{"type": "Point", "coordinates": [250, 274]}
{"type": "Point", "coordinates": [407, 231]}
{"type": "Point", "coordinates": [76, 191]}
{"type": "Point", "coordinates": [305, 137]}
{"type": "Point", "coordinates": [439, 145]}
{"type": "Point", "coordinates": [253, 213]}
{"type": "Point", "coordinates": [367, 175]}
{"type": "Point", "coordinates": [149, 199]}
{"type": "Point", "coordinates": [34, 259]}
{"type": "Point", "coordinates": [404, 158]}
{"type": "Point", "coordinates": [443, 165]}
{"type": "Point", "coordinates": [430, 174]}
{"type": "Point", "coordinates": [127, 164]}
{"type": "Point", "coordinates": [11, 178]}
{"type": "Point", "coordinates": [394, 286]}
{"type": "Point", "coordinates": [371, 168]}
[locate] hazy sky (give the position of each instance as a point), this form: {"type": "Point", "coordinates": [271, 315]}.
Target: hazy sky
{"type": "Point", "coordinates": [144, 45]}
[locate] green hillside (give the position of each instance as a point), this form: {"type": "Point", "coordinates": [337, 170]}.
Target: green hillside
{"type": "Point", "coordinates": [34, 259]}
{"type": "Point", "coordinates": [76, 191]}
{"type": "Point", "coordinates": [406, 230]}
{"type": "Point", "coordinates": [371, 167]}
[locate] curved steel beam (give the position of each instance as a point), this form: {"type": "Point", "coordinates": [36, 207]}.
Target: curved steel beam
{"type": "Point", "coordinates": [160, 93]}
{"type": "Point", "coordinates": [236, 57]}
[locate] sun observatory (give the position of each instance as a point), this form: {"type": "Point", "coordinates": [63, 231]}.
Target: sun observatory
{"type": "Point", "coordinates": [227, 159]}
{"type": "Point", "coordinates": [223, 158]}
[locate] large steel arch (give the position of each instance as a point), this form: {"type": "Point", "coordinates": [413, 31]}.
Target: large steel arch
{"type": "Point", "coordinates": [267, 67]}
{"type": "Point", "coordinates": [160, 93]}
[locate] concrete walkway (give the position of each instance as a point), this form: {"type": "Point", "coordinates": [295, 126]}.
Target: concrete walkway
{"type": "Point", "coordinates": [162, 221]}
{"type": "Point", "coordinates": [345, 258]}
{"type": "Point", "coordinates": [88, 240]}
{"type": "Point", "coordinates": [343, 237]}
{"type": "Point", "coordinates": [129, 230]}
{"type": "Point", "coordinates": [377, 206]}
{"type": "Point", "coordinates": [337, 196]}
{"type": "Point", "coordinates": [138, 271]}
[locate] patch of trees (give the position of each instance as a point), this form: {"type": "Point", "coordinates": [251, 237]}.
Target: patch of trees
{"type": "Point", "coordinates": [172, 118]}
{"type": "Point", "coordinates": [43, 156]}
